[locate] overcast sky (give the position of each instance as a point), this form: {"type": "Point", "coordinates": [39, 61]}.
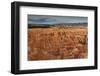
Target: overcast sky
{"type": "Point", "coordinates": [44, 19]}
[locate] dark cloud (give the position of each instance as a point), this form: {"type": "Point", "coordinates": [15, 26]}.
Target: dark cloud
{"type": "Point", "coordinates": [43, 19]}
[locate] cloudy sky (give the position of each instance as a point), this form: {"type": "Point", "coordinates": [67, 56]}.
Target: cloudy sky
{"type": "Point", "coordinates": [44, 19]}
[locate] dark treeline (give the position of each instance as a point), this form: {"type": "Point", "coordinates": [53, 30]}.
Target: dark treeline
{"type": "Point", "coordinates": [56, 25]}
{"type": "Point", "coordinates": [38, 26]}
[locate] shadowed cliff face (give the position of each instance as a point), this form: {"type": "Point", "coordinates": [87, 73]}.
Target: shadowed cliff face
{"type": "Point", "coordinates": [57, 43]}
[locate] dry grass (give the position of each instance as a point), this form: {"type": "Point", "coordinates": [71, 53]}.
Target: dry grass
{"type": "Point", "coordinates": [55, 43]}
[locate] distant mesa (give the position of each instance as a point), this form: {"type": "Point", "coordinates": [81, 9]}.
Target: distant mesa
{"type": "Point", "coordinates": [57, 25]}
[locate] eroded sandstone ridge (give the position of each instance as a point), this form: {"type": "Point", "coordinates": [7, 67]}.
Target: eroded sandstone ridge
{"type": "Point", "coordinates": [57, 43]}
